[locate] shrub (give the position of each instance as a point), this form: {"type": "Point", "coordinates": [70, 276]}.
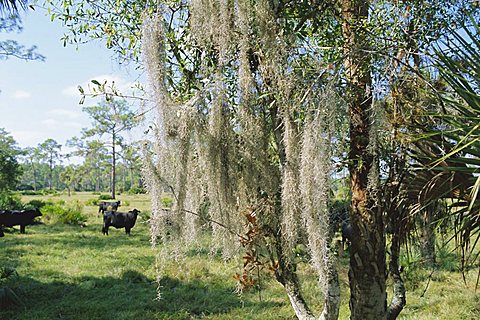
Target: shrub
{"type": "Point", "coordinates": [49, 192]}
{"type": "Point", "coordinates": [36, 203]}
{"type": "Point", "coordinates": [11, 201]}
{"type": "Point", "coordinates": [64, 213]}
{"type": "Point", "coordinates": [92, 202]}
{"type": "Point", "coordinates": [105, 197]}
{"type": "Point", "coordinates": [136, 190]}
{"type": "Point", "coordinates": [167, 201]}
{"type": "Point", "coordinates": [145, 216]}
{"type": "Point", "coordinates": [7, 272]}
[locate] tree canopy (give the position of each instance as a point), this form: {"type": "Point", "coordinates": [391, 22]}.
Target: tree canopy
{"type": "Point", "coordinates": [9, 167]}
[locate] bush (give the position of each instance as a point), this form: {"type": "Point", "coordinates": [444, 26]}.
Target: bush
{"type": "Point", "coordinates": [49, 192]}
{"type": "Point", "coordinates": [36, 203]}
{"type": "Point", "coordinates": [11, 201]}
{"type": "Point", "coordinates": [167, 201]}
{"type": "Point", "coordinates": [7, 272]}
{"type": "Point", "coordinates": [145, 216]}
{"type": "Point", "coordinates": [136, 190]}
{"type": "Point", "coordinates": [105, 197]}
{"type": "Point", "coordinates": [92, 202]}
{"type": "Point", "coordinates": [64, 213]}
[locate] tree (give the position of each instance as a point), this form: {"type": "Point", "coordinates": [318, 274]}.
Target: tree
{"type": "Point", "coordinates": [50, 152]}
{"type": "Point", "coordinates": [9, 167]}
{"type": "Point", "coordinates": [71, 176]}
{"type": "Point", "coordinates": [10, 22]}
{"type": "Point", "coordinates": [132, 158]}
{"type": "Point", "coordinates": [111, 118]}
{"type": "Point", "coordinates": [241, 91]}
{"type": "Point", "coordinates": [95, 157]}
{"type": "Point", "coordinates": [367, 266]}
{"type": "Point", "coordinates": [32, 157]}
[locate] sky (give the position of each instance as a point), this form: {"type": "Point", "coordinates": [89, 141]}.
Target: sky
{"type": "Point", "coordinates": [40, 100]}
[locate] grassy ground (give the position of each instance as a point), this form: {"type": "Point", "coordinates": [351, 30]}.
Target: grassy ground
{"type": "Point", "coordinates": [74, 272]}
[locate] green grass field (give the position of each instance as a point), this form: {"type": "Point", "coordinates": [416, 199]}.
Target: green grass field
{"type": "Point", "coordinates": [75, 272]}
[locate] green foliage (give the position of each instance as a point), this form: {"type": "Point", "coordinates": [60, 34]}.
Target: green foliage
{"type": "Point", "coordinates": [10, 170]}
{"type": "Point", "coordinates": [136, 190]}
{"type": "Point", "coordinates": [61, 212]}
{"type": "Point", "coordinates": [11, 201]}
{"type": "Point", "coordinates": [49, 153]}
{"type": "Point", "coordinates": [105, 197]}
{"type": "Point", "coordinates": [39, 192]}
{"type": "Point", "coordinates": [448, 151]}
{"type": "Point", "coordinates": [37, 203]}
{"type": "Point", "coordinates": [167, 201]}
{"type": "Point", "coordinates": [7, 272]}
{"type": "Point", "coordinates": [92, 202]}
{"type": "Point", "coordinates": [117, 23]}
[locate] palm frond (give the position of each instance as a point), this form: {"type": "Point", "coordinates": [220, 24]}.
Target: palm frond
{"type": "Point", "coordinates": [12, 6]}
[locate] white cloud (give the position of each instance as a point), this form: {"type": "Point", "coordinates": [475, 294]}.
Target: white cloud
{"type": "Point", "coordinates": [21, 94]}
{"type": "Point", "coordinates": [53, 123]}
{"type": "Point", "coordinates": [64, 113]}
{"type": "Point", "coordinates": [28, 137]}
{"type": "Point", "coordinates": [121, 85]}
{"type": "Point", "coordinates": [71, 91]}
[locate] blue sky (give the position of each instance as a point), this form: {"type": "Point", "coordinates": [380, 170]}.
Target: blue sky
{"type": "Point", "coordinates": [40, 100]}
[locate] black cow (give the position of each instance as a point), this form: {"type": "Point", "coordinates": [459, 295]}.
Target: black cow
{"type": "Point", "coordinates": [346, 233]}
{"type": "Point", "coordinates": [119, 220]}
{"type": "Point", "coordinates": [103, 206]}
{"type": "Point", "coordinates": [14, 218]}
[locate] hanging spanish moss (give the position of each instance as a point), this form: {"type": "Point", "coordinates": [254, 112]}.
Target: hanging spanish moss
{"type": "Point", "coordinates": [315, 176]}
{"type": "Point", "coordinates": [249, 150]}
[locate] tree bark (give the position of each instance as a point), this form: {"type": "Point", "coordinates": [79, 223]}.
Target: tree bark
{"type": "Point", "coordinates": [97, 179]}
{"type": "Point", "coordinates": [399, 298]}
{"type": "Point", "coordinates": [367, 250]}
{"type": "Point", "coordinates": [331, 305]}
{"type": "Point", "coordinates": [113, 164]}
{"type": "Point", "coordinates": [34, 172]}
{"type": "Point", "coordinates": [286, 275]}
{"type": "Point", "coordinates": [50, 176]}
{"type": "Point", "coordinates": [427, 236]}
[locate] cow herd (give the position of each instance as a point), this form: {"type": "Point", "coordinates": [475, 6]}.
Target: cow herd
{"type": "Point", "coordinates": [113, 218]}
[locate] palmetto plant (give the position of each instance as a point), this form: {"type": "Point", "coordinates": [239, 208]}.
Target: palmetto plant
{"type": "Point", "coordinates": [450, 150]}
{"type": "Point", "coordinates": [12, 5]}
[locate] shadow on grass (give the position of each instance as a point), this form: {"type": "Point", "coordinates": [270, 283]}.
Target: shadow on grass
{"type": "Point", "coordinates": [131, 295]}
{"type": "Point", "coordinates": [51, 293]}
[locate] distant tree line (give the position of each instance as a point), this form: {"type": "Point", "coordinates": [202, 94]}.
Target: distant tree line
{"type": "Point", "coordinates": [106, 161]}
